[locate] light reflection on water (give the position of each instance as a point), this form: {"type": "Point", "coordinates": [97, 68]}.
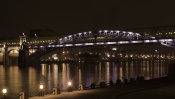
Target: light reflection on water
{"type": "Point", "coordinates": [58, 75]}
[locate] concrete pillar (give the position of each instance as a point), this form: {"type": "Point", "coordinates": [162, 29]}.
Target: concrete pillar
{"type": "Point", "coordinates": [56, 91]}
{"type": "Point", "coordinates": [21, 95]}
{"type": "Point", "coordinates": [4, 50]}
{"type": "Point", "coordinates": [23, 56]}
{"type": "Point", "coordinates": [23, 52]}
{"type": "Point", "coordinates": [171, 71]}
{"type": "Point", "coordinates": [81, 87]}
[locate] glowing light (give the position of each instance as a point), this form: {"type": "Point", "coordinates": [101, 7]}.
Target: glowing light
{"type": "Point", "coordinates": [69, 83]}
{"type": "Point", "coordinates": [55, 58]}
{"type": "Point", "coordinates": [90, 32]}
{"type": "Point", "coordinates": [117, 31]}
{"type": "Point", "coordinates": [111, 43]}
{"type": "Point", "coordinates": [41, 87]}
{"type": "Point", "coordinates": [89, 44]}
{"type": "Point", "coordinates": [4, 91]}
{"type": "Point", "coordinates": [147, 41]}
{"type": "Point", "coordinates": [124, 32]}
{"type": "Point", "coordinates": [78, 44]}
{"type": "Point", "coordinates": [130, 32]}
{"type": "Point", "coordinates": [100, 43]}
{"type": "Point", "coordinates": [136, 41]}
{"type": "Point", "coordinates": [123, 42]}
{"type": "Point", "coordinates": [154, 41]}
{"type": "Point", "coordinates": [108, 55]}
{"type": "Point", "coordinates": [114, 49]}
{"type": "Point", "coordinates": [68, 45]}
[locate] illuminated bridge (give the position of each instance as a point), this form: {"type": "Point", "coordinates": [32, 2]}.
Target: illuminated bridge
{"type": "Point", "coordinates": [106, 44]}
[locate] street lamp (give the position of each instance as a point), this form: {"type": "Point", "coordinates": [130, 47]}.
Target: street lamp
{"type": "Point", "coordinates": [4, 91]}
{"type": "Point", "coordinates": [69, 83]}
{"type": "Point", "coordinates": [41, 87]}
{"type": "Point", "coordinates": [69, 86]}
{"type": "Point", "coordinates": [41, 93]}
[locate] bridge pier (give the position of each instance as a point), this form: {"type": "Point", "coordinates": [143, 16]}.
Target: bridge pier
{"type": "Point", "coordinates": [4, 51]}
{"type": "Point", "coordinates": [23, 52]}
{"type": "Point", "coordinates": [23, 58]}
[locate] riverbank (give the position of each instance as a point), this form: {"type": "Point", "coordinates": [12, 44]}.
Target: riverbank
{"type": "Point", "coordinates": [161, 88]}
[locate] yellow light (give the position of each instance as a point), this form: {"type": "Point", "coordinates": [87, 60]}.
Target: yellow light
{"type": "Point", "coordinates": [41, 86]}
{"type": "Point", "coordinates": [4, 91]}
{"type": "Point", "coordinates": [69, 83]}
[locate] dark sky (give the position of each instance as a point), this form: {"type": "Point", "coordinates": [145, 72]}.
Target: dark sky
{"type": "Point", "coordinates": [73, 16]}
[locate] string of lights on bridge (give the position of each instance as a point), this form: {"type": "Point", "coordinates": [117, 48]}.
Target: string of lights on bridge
{"type": "Point", "coordinates": [166, 42]}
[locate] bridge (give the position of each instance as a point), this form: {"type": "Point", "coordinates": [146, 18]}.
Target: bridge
{"type": "Point", "coordinates": [46, 47]}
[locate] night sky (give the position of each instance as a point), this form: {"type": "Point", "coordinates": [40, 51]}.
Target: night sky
{"type": "Point", "coordinates": [73, 16]}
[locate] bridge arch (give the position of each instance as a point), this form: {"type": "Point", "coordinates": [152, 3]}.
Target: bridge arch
{"type": "Point", "coordinates": [13, 52]}
{"type": "Point", "coordinates": [112, 34]}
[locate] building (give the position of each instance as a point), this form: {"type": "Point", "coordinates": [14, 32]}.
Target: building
{"type": "Point", "coordinates": [158, 32]}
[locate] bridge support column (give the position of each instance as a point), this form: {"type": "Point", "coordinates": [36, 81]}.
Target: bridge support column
{"type": "Point", "coordinates": [23, 58]}
{"type": "Point", "coordinates": [4, 50]}
{"type": "Point", "coordinates": [23, 52]}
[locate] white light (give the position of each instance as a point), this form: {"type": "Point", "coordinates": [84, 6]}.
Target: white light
{"type": "Point", "coordinates": [69, 83]}
{"type": "Point", "coordinates": [169, 40]}
{"type": "Point", "coordinates": [78, 44]}
{"type": "Point", "coordinates": [123, 42]}
{"type": "Point", "coordinates": [114, 49]}
{"type": "Point", "coordinates": [117, 31]}
{"type": "Point", "coordinates": [49, 45]}
{"type": "Point", "coordinates": [100, 43]}
{"type": "Point", "coordinates": [59, 45]}
{"type": "Point", "coordinates": [147, 41]}
{"type": "Point", "coordinates": [130, 32]}
{"type": "Point", "coordinates": [41, 86]}
{"type": "Point", "coordinates": [4, 91]}
{"type": "Point", "coordinates": [68, 45]}
{"type": "Point", "coordinates": [111, 43]}
{"type": "Point", "coordinates": [136, 42]}
{"type": "Point", "coordinates": [55, 58]}
{"type": "Point", "coordinates": [154, 40]}
{"type": "Point", "coordinates": [89, 44]}
{"type": "Point", "coordinates": [108, 55]}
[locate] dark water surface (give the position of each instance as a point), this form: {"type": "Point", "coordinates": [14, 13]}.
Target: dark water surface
{"type": "Point", "coordinates": [57, 75]}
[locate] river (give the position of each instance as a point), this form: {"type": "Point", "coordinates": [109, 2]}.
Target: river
{"type": "Point", "coordinates": [58, 75]}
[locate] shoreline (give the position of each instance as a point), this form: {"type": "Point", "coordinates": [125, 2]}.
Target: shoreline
{"type": "Point", "coordinates": [123, 91]}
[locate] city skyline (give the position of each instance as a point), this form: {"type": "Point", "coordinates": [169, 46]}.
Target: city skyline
{"type": "Point", "coordinates": [79, 16]}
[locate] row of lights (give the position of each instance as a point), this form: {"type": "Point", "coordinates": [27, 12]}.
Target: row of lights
{"type": "Point", "coordinates": [41, 87]}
